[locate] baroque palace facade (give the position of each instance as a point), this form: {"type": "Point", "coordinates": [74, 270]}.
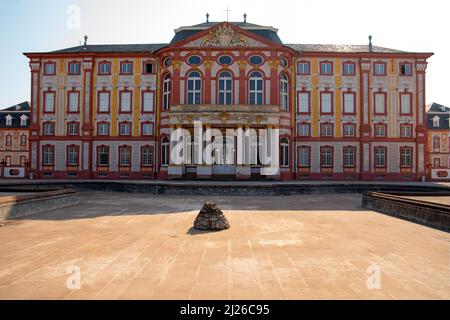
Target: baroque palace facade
{"type": "Point", "coordinates": [352, 112]}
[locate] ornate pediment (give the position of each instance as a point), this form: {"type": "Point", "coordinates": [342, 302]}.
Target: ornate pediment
{"type": "Point", "coordinates": [224, 36]}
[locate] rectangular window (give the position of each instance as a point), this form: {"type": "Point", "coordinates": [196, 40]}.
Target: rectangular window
{"type": "Point", "coordinates": [436, 142]}
{"type": "Point", "coordinates": [326, 102]}
{"type": "Point", "coordinates": [49, 102]}
{"type": "Point", "coordinates": [74, 68]}
{"type": "Point", "coordinates": [326, 130]}
{"type": "Point", "coordinates": [349, 130]}
{"type": "Point", "coordinates": [349, 102]}
{"type": "Point", "coordinates": [304, 156]}
{"type": "Point", "coordinates": [326, 156]}
{"type": "Point", "coordinates": [303, 68]}
{"type": "Point", "coordinates": [49, 68]}
{"type": "Point", "coordinates": [125, 101]}
{"type": "Point", "coordinates": [304, 102]}
{"type": "Point", "coordinates": [147, 156]}
{"type": "Point", "coordinates": [9, 140]}
{"type": "Point", "coordinates": [72, 155]}
{"type": "Point", "coordinates": [126, 68]}
{"type": "Point", "coordinates": [125, 156]}
{"type": "Point", "coordinates": [103, 102]}
{"type": "Point", "coordinates": [405, 130]}
{"type": "Point", "coordinates": [74, 99]}
{"type": "Point", "coordinates": [380, 157]}
{"type": "Point", "coordinates": [49, 129]}
{"type": "Point", "coordinates": [405, 103]}
{"type": "Point", "coordinates": [48, 155]}
{"type": "Point", "coordinates": [379, 68]}
{"type": "Point", "coordinates": [104, 68]}
{"type": "Point", "coordinates": [73, 129]}
{"type": "Point", "coordinates": [326, 68]}
{"type": "Point", "coordinates": [125, 128]}
{"type": "Point", "coordinates": [348, 68]}
{"type": "Point", "coordinates": [103, 129]}
{"type": "Point", "coordinates": [380, 103]}
{"type": "Point", "coordinates": [349, 156]}
{"type": "Point", "coordinates": [405, 69]}
{"type": "Point", "coordinates": [103, 156]}
{"type": "Point", "coordinates": [380, 130]}
{"type": "Point", "coordinates": [147, 101]}
{"type": "Point", "coordinates": [23, 160]}
{"type": "Point", "coordinates": [405, 157]}
{"type": "Point", "coordinates": [23, 140]}
{"type": "Point", "coordinates": [147, 129]}
{"type": "Point", "coordinates": [304, 130]}
{"type": "Point", "coordinates": [148, 68]}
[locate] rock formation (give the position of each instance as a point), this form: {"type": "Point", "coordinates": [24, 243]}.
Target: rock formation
{"type": "Point", "coordinates": [211, 218]}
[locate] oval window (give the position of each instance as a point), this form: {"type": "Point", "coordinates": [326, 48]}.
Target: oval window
{"type": "Point", "coordinates": [225, 60]}
{"type": "Point", "coordinates": [194, 60]}
{"type": "Point", "coordinates": [284, 62]}
{"type": "Point", "coordinates": [256, 60]}
{"type": "Point", "coordinates": [167, 62]}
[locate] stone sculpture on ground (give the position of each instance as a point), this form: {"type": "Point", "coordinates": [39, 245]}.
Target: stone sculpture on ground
{"type": "Point", "coordinates": [211, 218]}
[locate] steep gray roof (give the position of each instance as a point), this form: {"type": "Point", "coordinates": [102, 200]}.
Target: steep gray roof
{"type": "Point", "coordinates": [24, 106]}
{"type": "Point", "coordinates": [15, 112]}
{"type": "Point", "coordinates": [443, 112]}
{"type": "Point", "coordinates": [113, 48]}
{"type": "Point", "coordinates": [340, 48]}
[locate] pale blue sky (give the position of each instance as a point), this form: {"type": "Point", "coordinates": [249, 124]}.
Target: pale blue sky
{"type": "Point", "coordinates": [31, 25]}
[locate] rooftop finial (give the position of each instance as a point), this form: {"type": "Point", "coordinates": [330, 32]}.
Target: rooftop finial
{"type": "Point", "coordinates": [245, 18]}
{"type": "Point", "coordinates": [370, 44]}
{"type": "Point", "coordinates": [207, 18]}
{"type": "Point", "coordinates": [85, 39]}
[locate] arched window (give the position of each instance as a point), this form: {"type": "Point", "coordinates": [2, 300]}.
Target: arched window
{"type": "Point", "coordinates": [284, 92]}
{"type": "Point", "coordinates": [165, 151]}
{"type": "Point", "coordinates": [225, 88]}
{"type": "Point", "coordinates": [256, 90]}
{"type": "Point", "coordinates": [166, 92]}
{"type": "Point", "coordinates": [284, 152]}
{"type": "Point", "coordinates": [194, 88]}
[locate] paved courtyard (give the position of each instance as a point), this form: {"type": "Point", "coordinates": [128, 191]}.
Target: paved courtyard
{"type": "Point", "coordinates": [141, 246]}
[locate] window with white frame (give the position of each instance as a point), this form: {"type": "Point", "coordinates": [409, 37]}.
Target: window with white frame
{"type": "Point", "coordinates": [8, 120]}
{"type": "Point", "coordinates": [380, 156]}
{"type": "Point", "coordinates": [406, 157]}
{"type": "Point", "coordinates": [125, 101]}
{"type": "Point", "coordinates": [436, 121]}
{"type": "Point", "coordinates": [23, 120]}
{"type": "Point", "coordinates": [147, 101]}
{"type": "Point", "coordinates": [146, 156]}
{"type": "Point", "coordinates": [73, 129]}
{"type": "Point", "coordinates": [348, 69]}
{"type": "Point", "coordinates": [436, 142]}
{"type": "Point", "coordinates": [49, 128]}
{"type": "Point", "coordinates": [405, 69]}
{"type": "Point", "coordinates": [47, 155]}
{"type": "Point", "coordinates": [380, 103]}
{"type": "Point", "coordinates": [284, 144]}
{"type": "Point", "coordinates": [8, 140]}
{"type": "Point", "coordinates": [103, 102]}
{"type": "Point", "coordinates": [326, 68]}
{"type": "Point", "coordinates": [284, 92]}
{"type": "Point", "coordinates": [49, 102]}
{"type": "Point", "coordinates": [74, 99]}
{"type": "Point", "coordinates": [380, 130]}
{"type": "Point", "coordinates": [74, 68]}
{"type": "Point", "coordinates": [104, 68]}
{"type": "Point", "coordinates": [326, 129]}
{"type": "Point", "coordinates": [125, 128]}
{"type": "Point", "coordinates": [349, 156]}
{"type": "Point", "coordinates": [405, 103]}
{"type": "Point", "coordinates": [166, 92]}
{"type": "Point", "coordinates": [23, 140]}
{"type": "Point", "coordinates": [194, 88]}
{"type": "Point", "coordinates": [304, 129]}
{"type": "Point", "coordinates": [406, 131]}
{"type": "Point", "coordinates": [50, 68]}
{"type": "Point", "coordinates": [165, 151]}
{"type": "Point", "coordinates": [72, 155]}
{"type": "Point", "coordinates": [349, 130]}
{"type": "Point", "coordinates": [349, 102]}
{"type": "Point", "coordinates": [103, 155]}
{"type": "Point", "coordinates": [147, 129]}
{"type": "Point", "coordinates": [303, 102]}
{"type": "Point", "coordinates": [256, 90]}
{"type": "Point", "coordinates": [379, 69]}
{"type": "Point", "coordinates": [326, 99]}
{"type": "Point", "coordinates": [326, 156]}
{"type": "Point", "coordinates": [303, 68]}
{"type": "Point", "coordinates": [126, 68]}
{"type": "Point", "coordinates": [124, 156]}
{"type": "Point", "coordinates": [304, 156]}
{"type": "Point", "coordinates": [225, 88]}
{"type": "Point", "coordinates": [103, 129]}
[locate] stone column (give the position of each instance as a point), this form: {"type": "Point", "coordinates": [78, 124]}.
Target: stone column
{"type": "Point", "coordinates": [421, 150]}
{"type": "Point", "coordinates": [35, 66]}
{"type": "Point", "coordinates": [364, 111]}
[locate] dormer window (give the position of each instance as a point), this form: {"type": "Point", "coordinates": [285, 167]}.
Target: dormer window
{"type": "Point", "coordinates": [8, 119]}
{"type": "Point", "coordinates": [436, 121]}
{"type": "Point", "coordinates": [23, 120]}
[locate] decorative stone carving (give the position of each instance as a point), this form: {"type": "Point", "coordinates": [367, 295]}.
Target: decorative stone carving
{"type": "Point", "coordinates": [211, 217]}
{"type": "Point", "coordinates": [224, 36]}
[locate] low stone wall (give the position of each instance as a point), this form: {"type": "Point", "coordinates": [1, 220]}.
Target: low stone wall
{"type": "Point", "coordinates": [22, 205]}
{"type": "Point", "coordinates": [423, 212]}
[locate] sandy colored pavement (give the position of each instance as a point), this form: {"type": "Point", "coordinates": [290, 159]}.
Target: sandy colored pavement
{"type": "Point", "coordinates": [141, 246]}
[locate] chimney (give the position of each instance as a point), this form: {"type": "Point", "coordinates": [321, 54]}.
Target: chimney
{"type": "Point", "coordinates": [370, 44]}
